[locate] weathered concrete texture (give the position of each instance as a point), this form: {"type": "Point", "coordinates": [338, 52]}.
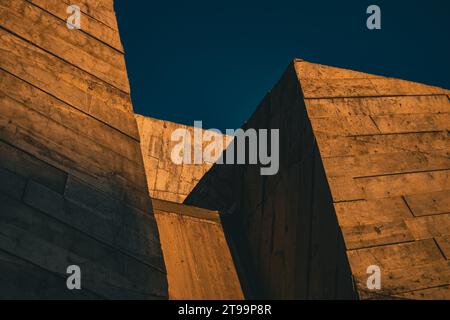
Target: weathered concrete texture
{"type": "Point", "coordinates": [385, 147]}
{"type": "Point", "coordinates": [167, 180]}
{"type": "Point", "coordinates": [199, 263]}
{"type": "Point", "coordinates": [72, 187]}
{"type": "Point", "coordinates": [363, 180]}
{"type": "Point", "coordinates": [196, 253]}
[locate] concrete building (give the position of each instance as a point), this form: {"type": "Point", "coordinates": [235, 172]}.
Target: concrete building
{"type": "Point", "coordinates": [364, 180]}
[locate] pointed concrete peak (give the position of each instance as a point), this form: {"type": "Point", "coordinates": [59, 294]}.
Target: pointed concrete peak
{"type": "Point", "coordinates": [310, 70]}
{"type": "Point", "coordinates": [321, 81]}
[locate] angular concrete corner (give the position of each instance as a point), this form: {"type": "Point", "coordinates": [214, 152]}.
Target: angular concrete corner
{"type": "Point", "coordinates": [73, 188]}
{"type": "Point", "coordinates": [363, 180]}
{"type": "Point", "coordinates": [196, 250]}
{"type": "Point", "coordinates": [384, 145]}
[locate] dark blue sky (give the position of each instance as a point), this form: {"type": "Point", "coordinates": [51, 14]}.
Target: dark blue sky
{"type": "Point", "coordinates": [215, 60]}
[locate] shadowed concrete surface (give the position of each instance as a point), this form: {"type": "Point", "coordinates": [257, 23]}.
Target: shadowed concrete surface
{"type": "Point", "coordinates": [72, 187]}
{"type": "Point", "coordinates": [364, 180]}
{"type": "Point", "coordinates": [196, 252]}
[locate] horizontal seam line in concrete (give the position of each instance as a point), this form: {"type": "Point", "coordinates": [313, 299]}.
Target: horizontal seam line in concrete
{"type": "Point", "coordinates": [431, 214]}
{"type": "Point", "coordinates": [127, 182]}
{"type": "Point", "coordinates": [67, 62]}
{"type": "Point", "coordinates": [415, 290]}
{"type": "Point", "coordinates": [384, 244]}
{"type": "Point", "coordinates": [379, 96]}
{"type": "Point", "coordinates": [398, 151]}
{"type": "Point", "coordinates": [97, 240]}
{"type": "Point", "coordinates": [351, 200]}
{"type": "Point", "coordinates": [203, 219]}
{"type": "Point", "coordinates": [78, 132]}
{"type": "Point", "coordinates": [400, 173]}
{"type": "Point", "coordinates": [381, 115]}
{"type": "Point", "coordinates": [45, 269]}
{"type": "Point", "coordinates": [203, 214]}
{"type": "Point", "coordinates": [98, 20]}
{"type": "Point", "coordinates": [82, 30]}
{"type": "Point", "coordinates": [390, 133]}
{"type": "Point", "coordinates": [71, 105]}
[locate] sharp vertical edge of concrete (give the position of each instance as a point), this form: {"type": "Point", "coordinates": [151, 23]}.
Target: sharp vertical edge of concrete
{"type": "Point", "coordinates": [73, 188]}
{"type": "Point", "coordinates": [364, 180]}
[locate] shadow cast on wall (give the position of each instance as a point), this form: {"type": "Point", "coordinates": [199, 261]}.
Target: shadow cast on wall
{"type": "Point", "coordinates": [282, 229]}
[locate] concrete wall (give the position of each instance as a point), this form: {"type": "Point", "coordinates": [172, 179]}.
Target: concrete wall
{"type": "Point", "coordinates": [363, 177]}
{"type": "Point", "coordinates": [284, 226]}
{"type": "Point", "coordinates": [73, 188]}
{"type": "Point", "coordinates": [196, 253]}
{"type": "Point", "coordinates": [167, 180]}
{"type": "Point", "coordinates": [384, 144]}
